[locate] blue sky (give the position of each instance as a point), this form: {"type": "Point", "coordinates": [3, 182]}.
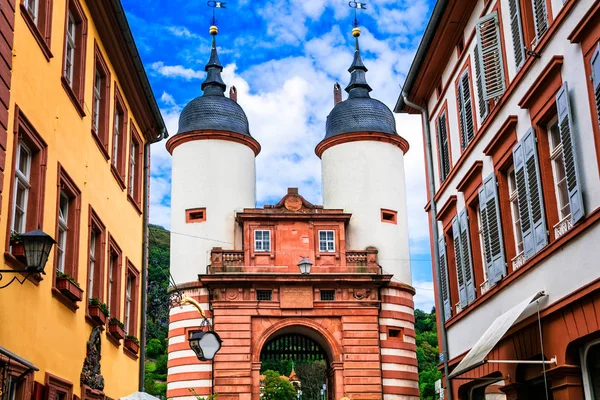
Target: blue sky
{"type": "Point", "coordinates": [284, 57]}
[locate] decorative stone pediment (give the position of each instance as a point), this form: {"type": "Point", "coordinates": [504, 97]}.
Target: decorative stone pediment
{"type": "Point", "coordinates": [293, 202]}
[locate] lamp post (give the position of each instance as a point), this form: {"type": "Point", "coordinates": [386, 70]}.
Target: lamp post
{"type": "Point", "coordinates": [37, 245]}
{"type": "Point", "coordinates": [305, 265]}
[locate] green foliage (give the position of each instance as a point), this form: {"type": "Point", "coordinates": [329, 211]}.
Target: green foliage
{"type": "Point", "coordinates": [133, 339]}
{"type": "Point", "coordinates": [312, 377]}
{"type": "Point", "coordinates": [277, 388]}
{"type": "Point", "coordinates": [60, 275]}
{"type": "Point", "coordinates": [427, 353]}
{"type": "Point", "coordinates": [154, 348]}
{"type": "Point", "coordinates": [114, 320]}
{"type": "Point", "coordinates": [161, 364]}
{"type": "Point", "coordinates": [157, 389]}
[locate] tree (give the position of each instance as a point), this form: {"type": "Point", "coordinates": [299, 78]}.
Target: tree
{"type": "Point", "coordinates": [277, 388]}
{"type": "Point", "coordinates": [312, 377]}
{"type": "Point", "coordinates": [427, 353]}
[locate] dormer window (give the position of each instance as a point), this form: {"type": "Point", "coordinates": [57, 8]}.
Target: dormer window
{"type": "Point", "coordinates": [327, 241]}
{"type": "Point", "coordinates": [262, 241]}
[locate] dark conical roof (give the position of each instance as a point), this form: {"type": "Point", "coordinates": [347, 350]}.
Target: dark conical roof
{"type": "Point", "coordinates": [359, 112]}
{"type": "Point", "coordinates": [212, 110]}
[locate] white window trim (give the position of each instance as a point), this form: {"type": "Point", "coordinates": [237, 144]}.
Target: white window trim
{"type": "Point", "coordinates": [70, 48]}
{"type": "Point", "coordinates": [556, 153]}
{"type": "Point", "coordinates": [514, 210]}
{"type": "Point", "coordinates": [327, 241]}
{"type": "Point", "coordinates": [583, 353]}
{"type": "Point", "coordinates": [33, 7]}
{"type": "Point", "coordinates": [63, 228]}
{"type": "Point", "coordinates": [22, 178]}
{"type": "Point", "coordinates": [116, 135]}
{"type": "Point", "coordinates": [127, 319]}
{"type": "Point", "coordinates": [263, 250]}
{"type": "Point", "coordinates": [97, 100]}
{"type": "Point", "coordinates": [111, 266]}
{"type": "Point", "coordinates": [132, 167]}
{"type": "Point", "coordinates": [92, 265]}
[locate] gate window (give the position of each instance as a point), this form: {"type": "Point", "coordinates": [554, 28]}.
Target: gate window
{"type": "Point", "coordinates": [593, 368]}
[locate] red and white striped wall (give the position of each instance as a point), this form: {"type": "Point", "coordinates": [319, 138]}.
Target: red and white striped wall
{"type": "Point", "coordinates": [186, 375]}
{"type": "Point", "coordinates": [398, 345]}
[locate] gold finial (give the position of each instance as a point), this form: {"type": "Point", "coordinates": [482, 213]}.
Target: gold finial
{"type": "Point", "coordinates": [356, 32]}
{"type": "Point", "coordinates": [213, 30]}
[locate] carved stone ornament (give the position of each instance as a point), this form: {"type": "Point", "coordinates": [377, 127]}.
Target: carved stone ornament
{"type": "Point", "coordinates": [90, 374]}
{"type": "Point", "coordinates": [293, 203]}
{"type": "Point", "coordinates": [360, 294]}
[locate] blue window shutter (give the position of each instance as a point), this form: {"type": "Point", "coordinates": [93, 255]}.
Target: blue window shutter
{"type": "Point", "coordinates": [462, 288]}
{"type": "Point", "coordinates": [443, 270]}
{"type": "Point", "coordinates": [516, 29]}
{"type": "Point", "coordinates": [484, 232]}
{"type": "Point", "coordinates": [524, 212]}
{"type": "Point", "coordinates": [490, 56]}
{"type": "Point", "coordinates": [568, 140]}
{"type": "Point", "coordinates": [540, 18]}
{"type": "Point", "coordinates": [483, 104]}
{"type": "Point", "coordinates": [493, 228]}
{"type": "Point", "coordinates": [596, 80]}
{"type": "Point", "coordinates": [534, 191]}
{"type": "Point", "coordinates": [465, 242]}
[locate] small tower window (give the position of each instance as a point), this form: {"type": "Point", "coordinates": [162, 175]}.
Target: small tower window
{"type": "Point", "coordinates": [264, 295]}
{"type": "Point", "coordinates": [389, 216]}
{"type": "Point", "coordinates": [262, 240]}
{"type": "Point", "coordinates": [327, 295]}
{"type": "Point", "coordinates": [195, 215]}
{"type": "Point", "coordinates": [327, 241]}
{"type": "Point", "coordinates": [395, 333]}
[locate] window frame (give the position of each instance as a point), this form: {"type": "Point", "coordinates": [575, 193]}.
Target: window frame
{"type": "Point", "coordinates": [134, 181]}
{"type": "Point", "coordinates": [443, 112]}
{"type": "Point", "coordinates": [466, 69]}
{"type": "Point", "coordinates": [40, 24]}
{"type": "Point", "coordinates": [558, 165]}
{"type": "Point", "coordinates": [75, 88]}
{"type": "Point", "coordinates": [386, 214]}
{"type": "Point", "coordinates": [101, 134]}
{"type": "Point", "coordinates": [327, 241]}
{"type": "Point", "coordinates": [262, 240]}
{"type": "Point", "coordinates": [118, 161]}
{"type": "Point", "coordinates": [134, 275]}
{"type": "Point", "coordinates": [66, 185]}
{"type": "Point", "coordinates": [584, 351]}
{"type": "Point", "coordinates": [189, 215]}
{"type": "Point", "coordinates": [56, 384]}
{"type": "Point", "coordinates": [264, 291]}
{"type": "Point", "coordinates": [327, 291]}
{"type": "Point", "coordinates": [113, 286]}
{"type": "Point", "coordinates": [97, 230]}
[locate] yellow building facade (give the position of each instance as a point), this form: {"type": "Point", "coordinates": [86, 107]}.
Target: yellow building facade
{"type": "Point", "coordinates": [77, 116]}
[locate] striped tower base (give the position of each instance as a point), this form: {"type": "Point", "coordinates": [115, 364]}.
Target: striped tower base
{"type": "Point", "coordinates": [398, 346]}
{"type": "Point", "coordinates": [186, 375]}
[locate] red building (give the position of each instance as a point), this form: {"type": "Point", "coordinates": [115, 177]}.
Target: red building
{"type": "Point", "coordinates": [509, 93]}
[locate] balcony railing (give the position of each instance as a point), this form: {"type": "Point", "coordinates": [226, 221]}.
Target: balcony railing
{"type": "Point", "coordinates": [518, 261]}
{"type": "Point", "coordinates": [458, 308]}
{"type": "Point", "coordinates": [227, 258]}
{"type": "Point", "coordinates": [362, 258]}
{"type": "Point", "coordinates": [563, 226]}
{"type": "Point", "coordinates": [485, 286]}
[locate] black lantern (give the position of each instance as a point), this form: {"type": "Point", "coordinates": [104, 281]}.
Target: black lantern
{"type": "Point", "coordinates": [205, 344]}
{"type": "Point", "coordinates": [305, 266]}
{"type": "Point", "coordinates": [37, 246]}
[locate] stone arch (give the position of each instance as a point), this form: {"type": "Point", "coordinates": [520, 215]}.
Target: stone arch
{"type": "Point", "coordinates": [303, 326]}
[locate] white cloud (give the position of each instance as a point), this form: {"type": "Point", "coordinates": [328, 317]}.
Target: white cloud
{"type": "Point", "coordinates": [424, 299]}
{"type": "Point", "coordinates": [181, 31]}
{"type": "Point", "coordinates": [176, 71]}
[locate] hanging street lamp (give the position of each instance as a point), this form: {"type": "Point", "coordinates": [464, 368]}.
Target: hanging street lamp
{"type": "Point", "coordinates": [305, 265]}
{"type": "Point", "coordinates": [37, 245]}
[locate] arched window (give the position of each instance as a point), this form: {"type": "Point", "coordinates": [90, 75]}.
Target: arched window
{"type": "Point", "coordinates": [592, 358]}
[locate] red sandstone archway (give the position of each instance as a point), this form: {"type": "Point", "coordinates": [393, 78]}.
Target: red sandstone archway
{"type": "Point", "coordinates": [312, 330]}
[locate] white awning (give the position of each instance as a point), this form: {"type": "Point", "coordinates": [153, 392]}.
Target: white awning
{"type": "Point", "coordinates": [139, 396]}
{"type": "Point", "coordinates": [492, 336]}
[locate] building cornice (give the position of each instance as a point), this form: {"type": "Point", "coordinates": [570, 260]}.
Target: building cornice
{"type": "Point", "coordinates": [360, 137]}
{"type": "Point", "coordinates": [181, 138]}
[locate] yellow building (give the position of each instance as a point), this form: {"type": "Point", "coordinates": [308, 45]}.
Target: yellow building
{"type": "Point", "coordinates": [77, 116]}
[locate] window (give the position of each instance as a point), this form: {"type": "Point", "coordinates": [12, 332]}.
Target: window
{"type": "Point", "coordinates": [197, 215]}
{"type": "Point", "coordinates": [395, 333]}
{"type": "Point", "coordinates": [490, 56]}
{"type": "Point", "coordinates": [63, 227]}
{"type": "Point", "coordinates": [100, 102]}
{"type": "Point", "coordinates": [558, 170]}
{"type": "Point", "coordinates": [327, 295]}
{"type": "Point", "coordinates": [596, 80]}
{"type": "Point", "coordinates": [22, 186]}
{"type": "Point", "coordinates": [264, 295]}
{"type": "Point", "coordinates": [131, 300]}
{"type": "Point", "coordinates": [326, 241]}
{"type": "Point", "coordinates": [493, 243]}
{"type": "Point", "coordinates": [95, 257]}
{"type": "Point", "coordinates": [114, 278]}
{"type": "Point", "coordinates": [483, 104]}
{"type": "Point", "coordinates": [119, 139]}
{"type": "Point", "coordinates": [443, 147]}
{"type": "Point", "coordinates": [460, 45]}
{"type": "Point", "coordinates": [484, 286]}
{"type": "Point", "coordinates": [57, 388]}
{"type": "Point", "coordinates": [463, 258]}
{"type": "Point", "coordinates": [27, 179]}
{"type": "Point", "coordinates": [443, 271]}
{"type": "Point", "coordinates": [74, 54]}
{"type": "Point", "coordinates": [516, 30]}
{"type": "Point", "coordinates": [591, 369]}
{"type": "Point", "coordinates": [514, 210]}
{"type": "Point", "coordinates": [465, 109]}
{"type": "Point", "coordinates": [38, 15]}
{"type": "Point", "coordinates": [135, 168]}
{"type": "Point", "coordinates": [262, 240]}
{"type": "Point", "coordinates": [389, 216]}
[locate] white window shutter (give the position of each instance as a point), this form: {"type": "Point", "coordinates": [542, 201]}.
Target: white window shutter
{"type": "Point", "coordinates": [467, 128]}
{"type": "Point", "coordinates": [465, 242]}
{"type": "Point", "coordinates": [483, 104]}
{"type": "Point", "coordinates": [490, 57]}
{"type": "Point", "coordinates": [516, 29]}
{"type": "Point", "coordinates": [462, 288]}
{"type": "Point", "coordinates": [568, 140]}
{"type": "Point", "coordinates": [492, 228]}
{"type": "Point", "coordinates": [596, 80]}
{"type": "Point", "coordinates": [443, 270]}
{"type": "Point", "coordinates": [540, 18]}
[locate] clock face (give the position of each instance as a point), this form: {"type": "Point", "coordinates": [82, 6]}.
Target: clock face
{"type": "Point", "coordinates": [293, 203]}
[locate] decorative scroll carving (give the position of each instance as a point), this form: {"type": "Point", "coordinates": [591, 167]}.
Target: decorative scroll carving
{"type": "Point", "coordinates": [90, 374]}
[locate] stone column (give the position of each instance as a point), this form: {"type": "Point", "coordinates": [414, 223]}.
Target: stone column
{"type": "Point", "coordinates": [337, 373]}
{"type": "Point", "coordinates": [256, 380]}
{"type": "Point", "coordinates": [565, 382]}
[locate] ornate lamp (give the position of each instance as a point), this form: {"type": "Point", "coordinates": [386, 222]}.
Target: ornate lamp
{"type": "Point", "coordinates": [205, 344]}
{"type": "Point", "coordinates": [305, 265]}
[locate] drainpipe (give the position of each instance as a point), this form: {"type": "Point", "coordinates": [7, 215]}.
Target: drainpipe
{"type": "Point", "coordinates": [146, 217]}
{"type": "Point", "coordinates": [434, 233]}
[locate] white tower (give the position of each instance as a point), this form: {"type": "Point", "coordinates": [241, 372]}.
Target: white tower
{"type": "Point", "coordinates": [213, 175]}
{"type": "Point", "coordinates": [363, 172]}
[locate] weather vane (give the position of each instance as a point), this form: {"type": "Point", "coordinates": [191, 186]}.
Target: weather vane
{"type": "Point", "coordinates": [213, 5]}
{"type": "Point", "coordinates": [357, 6]}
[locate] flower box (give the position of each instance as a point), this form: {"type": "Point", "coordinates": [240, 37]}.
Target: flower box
{"type": "Point", "coordinates": [116, 330]}
{"type": "Point", "coordinates": [97, 314]}
{"type": "Point", "coordinates": [18, 250]}
{"type": "Point", "coordinates": [69, 289]}
{"type": "Point", "coordinates": [132, 344]}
